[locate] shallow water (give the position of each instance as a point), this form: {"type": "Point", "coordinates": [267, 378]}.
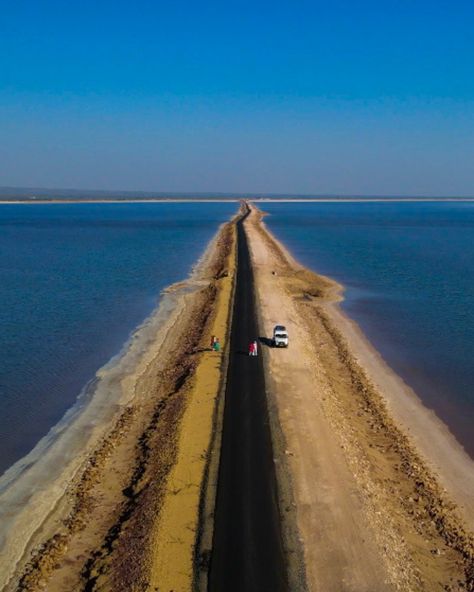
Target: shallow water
{"type": "Point", "coordinates": [75, 281]}
{"type": "Point", "coordinates": [408, 269]}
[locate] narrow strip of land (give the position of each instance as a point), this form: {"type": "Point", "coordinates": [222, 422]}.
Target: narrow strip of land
{"type": "Point", "coordinates": [247, 548]}
{"type": "Point", "coordinates": [361, 504]}
{"type": "Point", "coordinates": [127, 518]}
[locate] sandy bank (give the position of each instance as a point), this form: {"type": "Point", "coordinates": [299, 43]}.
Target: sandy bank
{"type": "Point", "coordinates": [375, 492]}
{"type": "Point", "coordinates": [98, 525]}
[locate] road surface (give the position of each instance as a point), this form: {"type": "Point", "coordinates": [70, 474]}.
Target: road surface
{"type": "Point", "coordinates": [247, 547]}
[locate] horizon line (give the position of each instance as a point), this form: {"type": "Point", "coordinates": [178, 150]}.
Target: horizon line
{"type": "Point", "coordinates": [19, 193]}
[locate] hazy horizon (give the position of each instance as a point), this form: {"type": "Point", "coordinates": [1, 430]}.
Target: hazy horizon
{"type": "Point", "coordinates": [50, 193]}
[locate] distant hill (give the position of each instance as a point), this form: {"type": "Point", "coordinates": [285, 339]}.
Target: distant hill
{"type": "Point", "coordinates": [29, 194]}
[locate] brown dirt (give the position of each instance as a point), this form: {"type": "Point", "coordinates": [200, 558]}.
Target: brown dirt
{"type": "Point", "coordinates": [360, 502]}
{"type": "Point", "coordinates": [105, 540]}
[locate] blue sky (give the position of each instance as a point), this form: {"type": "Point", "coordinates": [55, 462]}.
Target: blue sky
{"type": "Point", "coordinates": [282, 97]}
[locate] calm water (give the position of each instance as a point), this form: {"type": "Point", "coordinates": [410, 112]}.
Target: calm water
{"type": "Point", "coordinates": [75, 280]}
{"type": "Point", "coordinates": [409, 273]}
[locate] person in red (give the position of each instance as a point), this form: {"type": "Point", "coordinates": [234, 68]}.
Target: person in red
{"type": "Point", "coordinates": [253, 348]}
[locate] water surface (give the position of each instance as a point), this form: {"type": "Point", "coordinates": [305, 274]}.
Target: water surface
{"type": "Point", "coordinates": [75, 280]}
{"type": "Point", "coordinates": [408, 269]}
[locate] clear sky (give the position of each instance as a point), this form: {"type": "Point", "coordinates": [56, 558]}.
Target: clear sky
{"type": "Point", "coordinates": [339, 97]}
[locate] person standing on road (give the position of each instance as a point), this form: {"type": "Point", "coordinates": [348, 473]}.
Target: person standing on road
{"type": "Point", "coordinates": [255, 350]}
{"type": "Point", "coordinates": [251, 349]}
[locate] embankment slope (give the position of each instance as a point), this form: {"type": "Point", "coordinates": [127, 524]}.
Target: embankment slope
{"type": "Point", "coordinates": [129, 515]}
{"type": "Point", "coordinates": [366, 508]}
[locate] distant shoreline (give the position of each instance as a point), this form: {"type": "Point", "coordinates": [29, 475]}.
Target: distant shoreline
{"type": "Point", "coordinates": [16, 194]}
{"type": "Point", "coordinates": [258, 200]}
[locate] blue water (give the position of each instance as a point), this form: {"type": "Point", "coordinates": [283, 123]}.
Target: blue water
{"type": "Point", "coordinates": [75, 280]}
{"type": "Point", "coordinates": [409, 273]}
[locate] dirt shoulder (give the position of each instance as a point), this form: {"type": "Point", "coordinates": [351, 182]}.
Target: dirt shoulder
{"type": "Point", "coordinates": [129, 519]}
{"type": "Point", "coordinates": [363, 509]}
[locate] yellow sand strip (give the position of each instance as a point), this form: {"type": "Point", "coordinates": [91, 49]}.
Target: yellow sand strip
{"type": "Point", "coordinates": [175, 538]}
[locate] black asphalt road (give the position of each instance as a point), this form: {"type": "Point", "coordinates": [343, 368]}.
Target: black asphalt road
{"type": "Point", "coordinates": [247, 551]}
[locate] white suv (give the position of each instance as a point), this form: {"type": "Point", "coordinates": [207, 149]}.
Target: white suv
{"type": "Point", "coordinates": [280, 336]}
